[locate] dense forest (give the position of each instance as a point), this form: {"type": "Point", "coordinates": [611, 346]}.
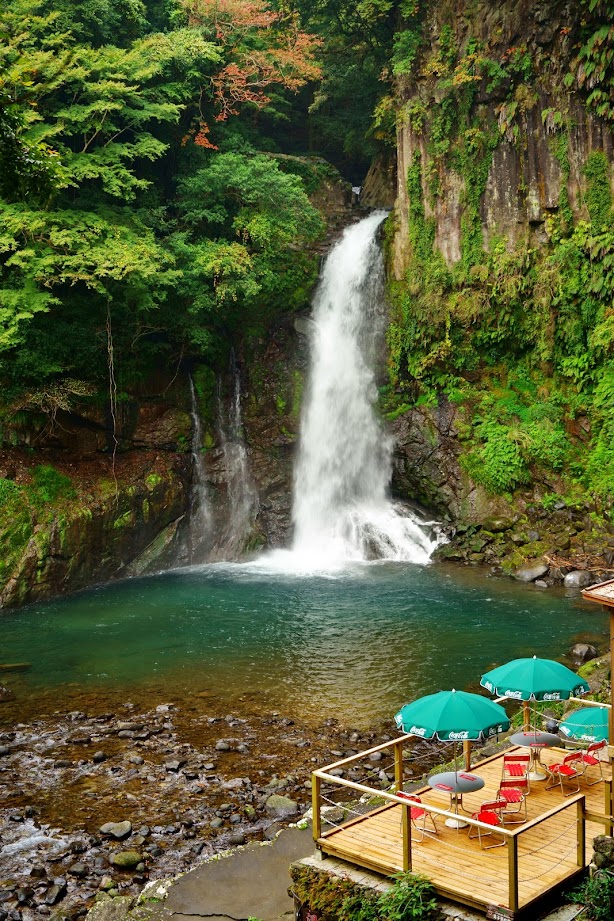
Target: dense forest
{"type": "Point", "coordinates": [159, 164]}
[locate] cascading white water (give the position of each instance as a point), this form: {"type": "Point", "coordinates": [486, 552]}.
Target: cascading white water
{"type": "Point", "coordinates": [342, 510]}
{"type": "Point", "coordinates": [201, 518]}
{"type": "Point", "coordinates": [242, 494]}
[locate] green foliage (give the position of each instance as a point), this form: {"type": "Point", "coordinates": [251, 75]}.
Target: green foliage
{"type": "Point", "coordinates": [49, 485]}
{"type": "Point", "coordinates": [593, 68]}
{"type": "Point", "coordinates": [597, 895]}
{"type": "Point", "coordinates": [410, 898]}
{"type": "Point", "coordinates": [599, 192]}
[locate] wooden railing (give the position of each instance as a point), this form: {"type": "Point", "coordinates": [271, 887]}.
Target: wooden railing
{"type": "Point", "coordinates": [512, 836]}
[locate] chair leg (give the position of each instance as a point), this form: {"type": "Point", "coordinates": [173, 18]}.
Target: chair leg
{"type": "Point", "coordinates": [485, 834]}
{"type": "Point", "coordinates": [600, 779]}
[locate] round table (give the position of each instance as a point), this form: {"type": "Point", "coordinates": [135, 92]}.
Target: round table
{"type": "Point", "coordinates": [456, 783]}
{"type": "Point", "coordinates": [535, 740]}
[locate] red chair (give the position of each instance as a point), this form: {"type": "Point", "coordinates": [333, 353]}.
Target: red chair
{"type": "Point", "coordinates": [491, 814]}
{"type": "Point", "coordinates": [565, 771]}
{"type": "Point", "coordinates": [516, 767]}
{"type": "Point", "coordinates": [417, 812]}
{"type": "Point", "coordinates": [515, 793]}
{"type": "Point", "coordinates": [589, 760]}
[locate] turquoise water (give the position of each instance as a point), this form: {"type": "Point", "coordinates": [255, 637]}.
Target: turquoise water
{"type": "Point", "coordinates": [356, 644]}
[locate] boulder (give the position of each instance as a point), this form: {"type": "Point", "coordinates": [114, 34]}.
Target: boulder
{"type": "Point", "coordinates": [117, 830]}
{"type": "Point", "coordinates": [281, 806]}
{"type": "Point", "coordinates": [583, 652]}
{"type": "Point", "coordinates": [126, 860]}
{"type": "Point", "coordinates": [578, 578]}
{"type": "Point", "coordinates": [531, 573]}
{"type": "Point", "coordinates": [603, 851]}
{"type": "Point", "coordinates": [497, 525]}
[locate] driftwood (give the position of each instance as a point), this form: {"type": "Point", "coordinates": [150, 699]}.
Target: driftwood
{"type": "Point", "coordinates": [581, 561]}
{"type": "Point", "coordinates": [15, 667]}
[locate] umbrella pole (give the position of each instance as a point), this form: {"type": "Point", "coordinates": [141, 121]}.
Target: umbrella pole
{"type": "Point", "coordinates": [467, 754]}
{"type": "Point", "coordinates": [526, 715]}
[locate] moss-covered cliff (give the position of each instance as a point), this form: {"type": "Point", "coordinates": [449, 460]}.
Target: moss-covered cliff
{"type": "Point", "coordinates": [502, 252]}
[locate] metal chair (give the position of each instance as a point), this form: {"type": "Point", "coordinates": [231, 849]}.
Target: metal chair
{"type": "Point", "coordinates": [589, 760]}
{"type": "Point", "coordinates": [491, 814]}
{"type": "Point", "coordinates": [515, 793]}
{"type": "Point", "coordinates": [418, 812]}
{"type": "Point", "coordinates": [565, 771]}
{"type": "Point", "coordinates": [516, 767]}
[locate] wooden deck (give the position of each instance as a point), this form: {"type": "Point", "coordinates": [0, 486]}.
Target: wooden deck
{"type": "Point", "coordinates": [539, 856]}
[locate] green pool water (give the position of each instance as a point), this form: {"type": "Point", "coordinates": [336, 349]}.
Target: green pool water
{"type": "Point", "coordinates": [355, 644]}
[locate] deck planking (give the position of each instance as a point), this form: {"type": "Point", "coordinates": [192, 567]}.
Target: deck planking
{"type": "Point", "coordinates": [457, 866]}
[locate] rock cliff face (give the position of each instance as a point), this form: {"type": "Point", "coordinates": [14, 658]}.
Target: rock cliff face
{"type": "Point", "coordinates": [492, 152]}
{"type": "Point", "coordinates": [544, 134]}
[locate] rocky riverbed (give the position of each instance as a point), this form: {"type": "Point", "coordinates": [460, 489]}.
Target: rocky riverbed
{"type": "Point", "coordinates": [98, 799]}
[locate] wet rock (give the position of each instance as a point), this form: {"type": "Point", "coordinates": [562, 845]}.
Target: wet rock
{"type": "Point", "coordinates": [281, 806]}
{"type": "Point", "coordinates": [55, 893]}
{"type": "Point", "coordinates": [173, 766]}
{"type": "Point", "coordinates": [99, 757]}
{"type": "Point", "coordinates": [531, 573]}
{"type": "Point", "coordinates": [117, 830]}
{"type": "Point", "coordinates": [216, 822]}
{"type": "Point", "coordinates": [110, 909]}
{"type": "Point", "coordinates": [4, 750]}
{"type": "Point", "coordinates": [78, 869]}
{"type": "Point", "coordinates": [375, 756]}
{"type": "Point", "coordinates": [540, 583]}
{"type": "Point", "coordinates": [578, 578]}
{"type": "Point", "coordinates": [497, 525]}
{"type": "Point", "coordinates": [126, 860]}
{"type": "Point", "coordinates": [222, 746]}
{"type": "Point", "coordinates": [62, 763]}
{"type": "Point", "coordinates": [236, 839]}
{"type": "Point", "coordinates": [603, 851]}
{"type": "Point", "coordinates": [532, 535]}
{"type": "Point", "coordinates": [583, 652]}
{"type": "Point", "coordinates": [6, 694]}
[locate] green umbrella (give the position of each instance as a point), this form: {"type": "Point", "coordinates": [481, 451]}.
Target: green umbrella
{"type": "Point", "coordinates": [587, 725]}
{"type": "Point", "coordinates": [534, 679]}
{"type": "Point", "coordinates": [452, 716]}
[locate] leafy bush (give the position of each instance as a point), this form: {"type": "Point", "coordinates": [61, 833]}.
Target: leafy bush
{"type": "Point", "coordinates": [597, 894]}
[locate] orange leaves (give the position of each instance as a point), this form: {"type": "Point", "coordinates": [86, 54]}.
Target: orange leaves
{"type": "Point", "coordinates": [262, 48]}
{"type": "Point", "coordinates": [199, 135]}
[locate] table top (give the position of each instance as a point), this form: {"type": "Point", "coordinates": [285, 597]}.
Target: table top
{"type": "Point", "coordinates": [535, 738]}
{"type": "Point", "coordinates": [456, 782]}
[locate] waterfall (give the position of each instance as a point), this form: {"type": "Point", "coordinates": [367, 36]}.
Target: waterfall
{"type": "Point", "coordinates": [342, 510]}
{"type": "Point", "coordinates": [201, 519]}
{"type": "Point", "coordinates": [242, 495]}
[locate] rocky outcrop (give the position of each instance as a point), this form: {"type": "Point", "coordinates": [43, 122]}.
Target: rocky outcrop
{"type": "Point", "coordinates": [530, 166]}
{"type": "Point", "coordinates": [111, 528]}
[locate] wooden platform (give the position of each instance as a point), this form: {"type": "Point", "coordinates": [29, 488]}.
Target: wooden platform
{"type": "Point", "coordinates": [548, 851]}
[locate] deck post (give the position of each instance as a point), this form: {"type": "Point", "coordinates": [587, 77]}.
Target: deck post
{"type": "Point", "coordinates": [406, 829]}
{"type": "Point", "coordinates": [398, 766]}
{"type": "Point", "coordinates": [607, 790]}
{"type": "Point", "coordinates": [581, 832]}
{"type": "Point", "coordinates": [315, 806]}
{"type": "Point", "coordinates": [512, 863]}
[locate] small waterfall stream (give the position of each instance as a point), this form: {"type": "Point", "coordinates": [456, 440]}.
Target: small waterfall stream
{"type": "Point", "coordinates": [342, 510]}
{"type": "Point", "coordinates": [242, 494]}
{"type": "Point", "coordinates": [201, 518]}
